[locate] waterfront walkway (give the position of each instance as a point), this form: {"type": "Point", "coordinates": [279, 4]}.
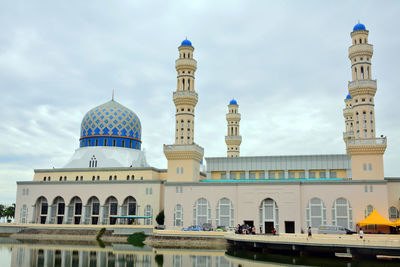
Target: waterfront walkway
{"type": "Point", "coordinates": [317, 239]}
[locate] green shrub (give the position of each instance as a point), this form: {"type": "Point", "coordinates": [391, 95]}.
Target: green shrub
{"type": "Point", "coordinates": [137, 239]}
{"type": "Point", "coordinates": [160, 218]}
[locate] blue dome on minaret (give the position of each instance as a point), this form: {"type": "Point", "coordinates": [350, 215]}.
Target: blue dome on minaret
{"type": "Point", "coordinates": [348, 96]}
{"type": "Point", "coordinates": [186, 42]}
{"type": "Point", "coordinates": [111, 124]}
{"type": "Point", "coordinates": [233, 102]}
{"type": "Point", "coordinates": [359, 27]}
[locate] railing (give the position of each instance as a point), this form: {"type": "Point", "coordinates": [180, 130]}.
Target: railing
{"type": "Point", "coordinates": [195, 147]}
{"type": "Point", "coordinates": [369, 141]}
{"type": "Point", "coordinates": [231, 137]}
{"type": "Point", "coordinates": [348, 134]}
{"type": "Point", "coordinates": [363, 82]}
{"type": "Point", "coordinates": [185, 62]}
{"type": "Point", "coordinates": [233, 116]}
{"type": "Point", "coordinates": [185, 94]}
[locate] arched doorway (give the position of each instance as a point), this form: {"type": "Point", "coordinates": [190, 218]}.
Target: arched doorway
{"type": "Point", "coordinates": [224, 213]}
{"type": "Point", "coordinates": [57, 211]}
{"type": "Point", "coordinates": [92, 211]}
{"type": "Point", "coordinates": [42, 208]}
{"type": "Point", "coordinates": [110, 210]}
{"type": "Point", "coordinates": [269, 216]}
{"type": "Point", "coordinates": [129, 208]}
{"type": "Point", "coordinates": [74, 211]}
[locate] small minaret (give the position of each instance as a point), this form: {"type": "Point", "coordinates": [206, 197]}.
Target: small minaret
{"type": "Point", "coordinates": [233, 138]}
{"type": "Point", "coordinates": [366, 151]}
{"type": "Point", "coordinates": [184, 156]}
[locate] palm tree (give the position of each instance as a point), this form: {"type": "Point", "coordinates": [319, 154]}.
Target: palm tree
{"type": "Point", "coordinates": [2, 208]}
{"type": "Point", "coordinates": [9, 212]}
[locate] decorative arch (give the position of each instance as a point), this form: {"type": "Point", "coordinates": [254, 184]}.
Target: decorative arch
{"type": "Point", "coordinates": [201, 212]}
{"type": "Point", "coordinates": [178, 215]}
{"type": "Point", "coordinates": [368, 210]}
{"type": "Point", "coordinates": [110, 210]}
{"type": "Point", "coordinates": [225, 213]}
{"type": "Point", "coordinates": [57, 210]}
{"type": "Point", "coordinates": [393, 213]}
{"type": "Point", "coordinates": [92, 211]}
{"type": "Point", "coordinates": [129, 208]}
{"type": "Point", "coordinates": [269, 215]}
{"type": "Point", "coordinates": [74, 211]}
{"type": "Point", "coordinates": [41, 210]}
{"type": "Point", "coordinates": [315, 213]}
{"type": "Point", "coordinates": [148, 211]}
{"type": "Point", "coordinates": [342, 213]}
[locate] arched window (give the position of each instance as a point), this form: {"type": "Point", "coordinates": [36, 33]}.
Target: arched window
{"type": "Point", "coordinates": [44, 179]}
{"type": "Point", "coordinates": [368, 210]}
{"type": "Point", "coordinates": [114, 142]}
{"type": "Point", "coordinates": [123, 143]}
{"type": "Point", "coordinates": [183, 84]}
{"type": "Point", "coordinates": [225, 213]}
{"type": "Point", "coordinates": [362, 73]}
{"type": "Point", "coordinates": [110, 210]}
{"type": "Point", "coordinates": [342, 213]}
{"type": "Point", "coordinates": [355, 70]}
{"type": "Point", "coordinates": [115, 177]}
{"type": "Point", "coordinates": [127, 177]}
{"type": "Point", "coordinates": [148, 211]}
{"type": "Point", "coordinates": [201, 212]}
{"type": "Point", "coordinates": [129, 208]}
{"type": "Point", "coordinates": [178, 215]}
{"type": "Point", "coordinates": [393, 213]}
{"type": "Point", "coordinates": [105, 142]}
{"type": "Point", "coordinates": [269, 215]}
{"type": "Point", "coordinates": [315, 213]}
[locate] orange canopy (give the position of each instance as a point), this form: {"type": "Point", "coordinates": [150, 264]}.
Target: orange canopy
{"type": "Point", "coordinates": [375, 218]}
{"type": "Point", "coordinates": [397, 222]}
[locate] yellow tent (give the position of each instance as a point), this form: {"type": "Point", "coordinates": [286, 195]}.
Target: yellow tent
{"type": "Point", "coordinates": [375, 218]}
{"type": "Point", "coordinates": [397, 222]}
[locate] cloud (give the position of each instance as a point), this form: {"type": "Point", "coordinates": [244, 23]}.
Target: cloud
{"type": "Point", "coordinates": [285, 62]}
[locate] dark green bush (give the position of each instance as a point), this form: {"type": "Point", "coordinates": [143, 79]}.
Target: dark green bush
{"type": "Point", "coordinates": [137, 239]}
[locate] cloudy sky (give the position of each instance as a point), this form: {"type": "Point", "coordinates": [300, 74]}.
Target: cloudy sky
{"type": "Point", "coordinates": [285, 62]}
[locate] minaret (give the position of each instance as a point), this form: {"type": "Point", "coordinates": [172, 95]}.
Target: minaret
{"type": "Point", "coordinates": [366, 151]}
{"type": "Point", "coordinates": [233, 138]}
{"type": "Point", "coordinates": [184, 156]}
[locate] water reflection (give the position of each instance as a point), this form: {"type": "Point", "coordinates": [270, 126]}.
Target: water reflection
{"type": "Point", "coordinates": [124, 255]}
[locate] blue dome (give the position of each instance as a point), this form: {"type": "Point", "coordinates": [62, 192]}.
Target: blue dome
{"type": "Point", "coordinates": [359, 27]}
{"type": "Point", "coordinates": [233, 102]}
{"type": "Point", "coordinates": [111, 124]}
{"type": "Point", "coordinates": [186, 42]}
{"type": "Point", "coordinates": [348, 96]}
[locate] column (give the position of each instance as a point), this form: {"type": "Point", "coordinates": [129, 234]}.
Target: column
{"type": "Point", "coordinates": [49, 208]}
{"type": "Point", "coordinates": [286, 175]}
{"type": "Point", "coordinates": [101, 215]}
{"type": "Point", "coordinates": [33, 214]}
{"type": "Point", "coordinates": [66, 212]}
{"type": "Point", "coordinates": [327, 173]}
{"type": "Point", "coordinates": [83, 216]}
{"type": "Point", "coordinates": [119, 214]}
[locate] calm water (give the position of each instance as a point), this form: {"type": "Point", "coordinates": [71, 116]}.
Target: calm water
{"type": "Point", "coordinates": [14, 253]}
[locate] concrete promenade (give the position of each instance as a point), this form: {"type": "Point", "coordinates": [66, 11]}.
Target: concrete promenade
{"type": "Point", "coordinates": [352, 245]}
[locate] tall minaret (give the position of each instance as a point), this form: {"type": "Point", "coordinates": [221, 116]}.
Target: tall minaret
{"type": "Point", "coordinates": [184, 156]}
{"type": "Point", "coordinates": [233, 138]}
{"type": "Point", "coordinates": [366, 151]}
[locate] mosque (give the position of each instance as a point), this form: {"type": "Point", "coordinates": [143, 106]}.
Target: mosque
{"type": "Point", "coordinates": [108, 180]}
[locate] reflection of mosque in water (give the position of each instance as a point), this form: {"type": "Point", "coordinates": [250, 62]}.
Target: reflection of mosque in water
{"type": "Point", "coordinates": [118, 255]}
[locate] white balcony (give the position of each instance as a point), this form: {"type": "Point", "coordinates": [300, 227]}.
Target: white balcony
{"type": "Point", "coordinates": [183, 94]}
{"type": "Point", "coordinates": [348, 134]}
{"type": "Point", "coordinates": [193, 147]}
{"type": "Point", "coordinates": [362, 82]}
{"type": "Point", "coordinates": [369, 141]}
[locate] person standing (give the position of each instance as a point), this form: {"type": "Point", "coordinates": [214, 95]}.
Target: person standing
{"type": "Point", "coordinates": [361, 233]}
{"type": "Point", "coordinates": [309, 232]}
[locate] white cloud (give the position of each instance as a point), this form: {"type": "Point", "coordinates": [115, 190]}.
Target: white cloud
{"type": "Point", "coordinates": [285, 62]}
